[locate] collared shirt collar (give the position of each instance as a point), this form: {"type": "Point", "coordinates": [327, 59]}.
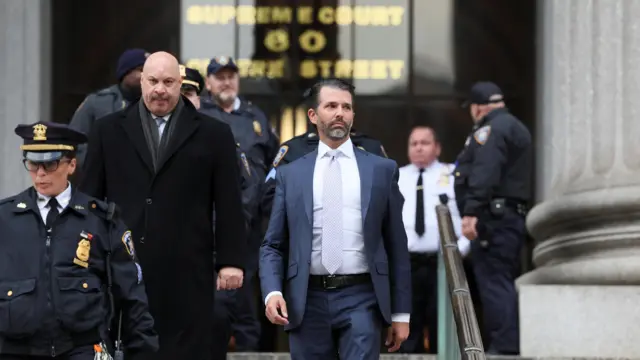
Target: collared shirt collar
{"type": "Point", "coordinates": [346, 149]}
{"type": "Point", "coordinates": [236, 104]}
{"type": "Point", "coordinates": [166, 117]}
{"type": "Point", "coordinates": [63, 198]}
{"type": "Point", "coordinates": [434, 165]}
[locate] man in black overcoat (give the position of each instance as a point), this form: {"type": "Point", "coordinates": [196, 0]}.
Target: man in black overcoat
{"type": "Point", "coordinates": [167, 167]}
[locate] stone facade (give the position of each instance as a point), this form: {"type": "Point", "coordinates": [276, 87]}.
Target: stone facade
{"type": "Point", "coordinates": [588, 175]}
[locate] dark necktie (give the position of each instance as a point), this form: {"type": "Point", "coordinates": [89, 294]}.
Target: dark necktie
{"type": "Point", "coordinates": [420, 206]}
{"type": "Point", "coordinates": [53, 212]}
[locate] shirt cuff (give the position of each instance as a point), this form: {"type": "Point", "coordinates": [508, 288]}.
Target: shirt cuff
{"type": "Point", "coordinates": [400, 318]}
{"type": "Point", "coordinates": [266, 299]}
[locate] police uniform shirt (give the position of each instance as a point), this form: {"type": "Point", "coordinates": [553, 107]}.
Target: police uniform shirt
{"type": "Point", "coordinates": [436, 179]}
{"type": "Point", "coordinates": [63, 200]}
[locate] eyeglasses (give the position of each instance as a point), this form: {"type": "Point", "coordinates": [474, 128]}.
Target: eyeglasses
{"type": "Point", "coordinates": [47, 166]}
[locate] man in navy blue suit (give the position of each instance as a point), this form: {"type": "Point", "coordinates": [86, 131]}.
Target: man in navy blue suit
{"type": "Point", "coordinates": [334, 265]}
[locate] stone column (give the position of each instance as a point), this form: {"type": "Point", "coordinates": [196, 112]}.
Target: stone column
{"type": "Point", "coordinates": [25, 69]}
{"type": "Point", "coordinates": [583, 298]}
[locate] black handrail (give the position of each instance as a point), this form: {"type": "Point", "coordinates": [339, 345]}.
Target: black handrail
{"type": "Point", "coordinates": [469, 338]}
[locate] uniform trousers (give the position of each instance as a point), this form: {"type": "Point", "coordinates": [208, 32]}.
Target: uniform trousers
{"type": "Point", "coordinates": [495, 257]}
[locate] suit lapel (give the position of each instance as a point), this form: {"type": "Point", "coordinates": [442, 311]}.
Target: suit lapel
{"type": "Point", "coordinates": [133, 128]}
{"type": "Point", "coordinates": [186, 124]}
{"type": "Point", "coordinates": [365, 168]}
{"type": "Point", "coordinates": [308, 167]}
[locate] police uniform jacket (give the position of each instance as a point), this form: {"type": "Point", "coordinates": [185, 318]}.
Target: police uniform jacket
{"type": "Point", "coordinates": [95, 106]}
{"type": "Point", "coordinates": [53, 293]}
{"type": "Point", "coordinates": [250, 185]}
{"type": "Point", "coordinates": [496, 162]}
{"type": "Point", "coordinates": [301, 145]}
{"type": "Point", "coordinates": [169, 207]}
{"type": "Point", "coordinates": [250, 129]}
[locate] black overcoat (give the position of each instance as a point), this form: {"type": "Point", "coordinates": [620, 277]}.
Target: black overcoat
{"type": "Point", "coordinates": [169, 210]}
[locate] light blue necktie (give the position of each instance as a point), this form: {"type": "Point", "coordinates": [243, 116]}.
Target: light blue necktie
{"type": "Point", "coordinates": [332, 215]}
{"type": "Point", "coordinates": [160, 122]}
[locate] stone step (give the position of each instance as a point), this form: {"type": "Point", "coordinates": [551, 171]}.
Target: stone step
{"type": "Point", "coordinates": [285, 356]}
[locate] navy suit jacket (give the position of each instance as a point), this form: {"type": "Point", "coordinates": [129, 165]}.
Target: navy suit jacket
{"type": "Point", "coordinates": [285, 254]}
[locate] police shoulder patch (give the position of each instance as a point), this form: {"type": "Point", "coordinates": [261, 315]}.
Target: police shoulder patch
{"type": "Point", "coordinates": [127, 240]}
{"type": "Point", "coordinates": [281, 153]}
{"type": "Point", "coordinates": [482, 135]}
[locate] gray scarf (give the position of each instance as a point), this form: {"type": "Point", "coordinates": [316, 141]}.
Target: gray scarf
{"type": "Point", "coordinates": [152, 133]}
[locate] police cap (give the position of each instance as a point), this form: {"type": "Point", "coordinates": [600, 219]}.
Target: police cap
{"type": "Point", "coordinates": [191, 78]}
{"type": "Point", "coordinates": [484, 92]}
{"type": "Point", "coordinates": [221, 62]}
{"type": "Point", "coordinates": [46, 141]}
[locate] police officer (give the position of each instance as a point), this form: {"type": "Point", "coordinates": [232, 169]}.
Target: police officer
{"type": "Point", "coordinates": [192, 85]}
{"type": "Point", "coordinates": [248, 123]}
{"type": "Point", "coordinates": [62, 255]}
{"type": "Point", "coordinates": [113, 98]}
{"type": "Point", "coordinates": [492, 186]}
{"type": "Point", "coordinates": [301, 145]}
{"type": "Point", "coordinates": [252, 131]}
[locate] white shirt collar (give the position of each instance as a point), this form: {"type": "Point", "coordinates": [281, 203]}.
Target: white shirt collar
{"type": "Point", "coordinates": [63, 198]}
{"type": "Point", "coordinates": [434, 165]}
{"type": "Point", "coordinates": [346, 149]}
{"type": "Point", "coordinates": [166, 117]}
{"type": "Point", "coordinates": [236, 104]}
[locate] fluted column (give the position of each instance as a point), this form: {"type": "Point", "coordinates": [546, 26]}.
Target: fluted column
{"type": "Point", "coordinates": [587, 221]}
{"type": "Point", "coordinates": [589, 144]}
{"type": "Point", "coordinates": [25, 69]}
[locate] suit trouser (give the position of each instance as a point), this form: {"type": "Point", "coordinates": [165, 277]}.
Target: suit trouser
{"type": "Point", "coordinates": [81, 353]}
{"type": "Point", "coordinates": [496, 264]}
{"type": "Point", "coordinates": [340, 324]}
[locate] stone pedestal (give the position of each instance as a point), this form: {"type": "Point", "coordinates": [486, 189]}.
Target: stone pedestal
{"type": "Point", "coordinates": [581, 299]}
{"type": "Point", "coordinates": [25, 69]}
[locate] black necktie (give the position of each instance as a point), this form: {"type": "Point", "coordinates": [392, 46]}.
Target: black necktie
{"type": "Point", "coordinates": [53, 212]}
{"type": "Point", "coordinates": [420, 206]}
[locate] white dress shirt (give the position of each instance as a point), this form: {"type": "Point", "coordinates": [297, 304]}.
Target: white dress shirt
{"type": "Point", "coordinates": [436, 179]}
{"type": "Point", "coordinates": [63, 201]}
{"type": "Point", "coordinates": [354, 259]}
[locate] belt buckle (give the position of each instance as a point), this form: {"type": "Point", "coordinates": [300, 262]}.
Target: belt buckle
{"type": "Point", "coordinates": [324, 282]}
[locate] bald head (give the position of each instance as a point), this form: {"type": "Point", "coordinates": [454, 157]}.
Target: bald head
{"type": "Point", "coordinates": [161, 83]}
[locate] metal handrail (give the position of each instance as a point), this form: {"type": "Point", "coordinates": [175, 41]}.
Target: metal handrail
{"type": "Point", "coordinates": [461, 306]}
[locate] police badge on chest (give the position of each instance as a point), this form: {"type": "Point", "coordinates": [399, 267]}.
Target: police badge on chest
{"type": "Point", "coordinates": [84, 250]}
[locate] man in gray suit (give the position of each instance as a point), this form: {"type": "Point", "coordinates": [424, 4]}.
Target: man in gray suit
{"type": "Point", "coordinates": [336, 243]}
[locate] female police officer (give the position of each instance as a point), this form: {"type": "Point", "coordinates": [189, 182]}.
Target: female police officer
{"type": "Point", "coordinates": [59, 252]}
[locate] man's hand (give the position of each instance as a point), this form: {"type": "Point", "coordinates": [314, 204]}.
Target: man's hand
{"type": "Point", "coordinates": [229, 278]}
{"type": "Point", "coordinates": [469, 227]}
{"type": "Point", "coordinates": [276, 310]}
{"type": "Point", "coordinates": [396, 335]}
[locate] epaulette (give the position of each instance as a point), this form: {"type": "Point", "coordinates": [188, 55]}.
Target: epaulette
{"type": "Point", "coordinates": [281, 153]}
{"type": "Point", "coordinates": [7, 200]}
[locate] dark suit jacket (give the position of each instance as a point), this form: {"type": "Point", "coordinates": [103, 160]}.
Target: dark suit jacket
{"type": "Point", "coordinates": [170, 214]}
{"type": "Point", "coordinates": [285, 255]}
